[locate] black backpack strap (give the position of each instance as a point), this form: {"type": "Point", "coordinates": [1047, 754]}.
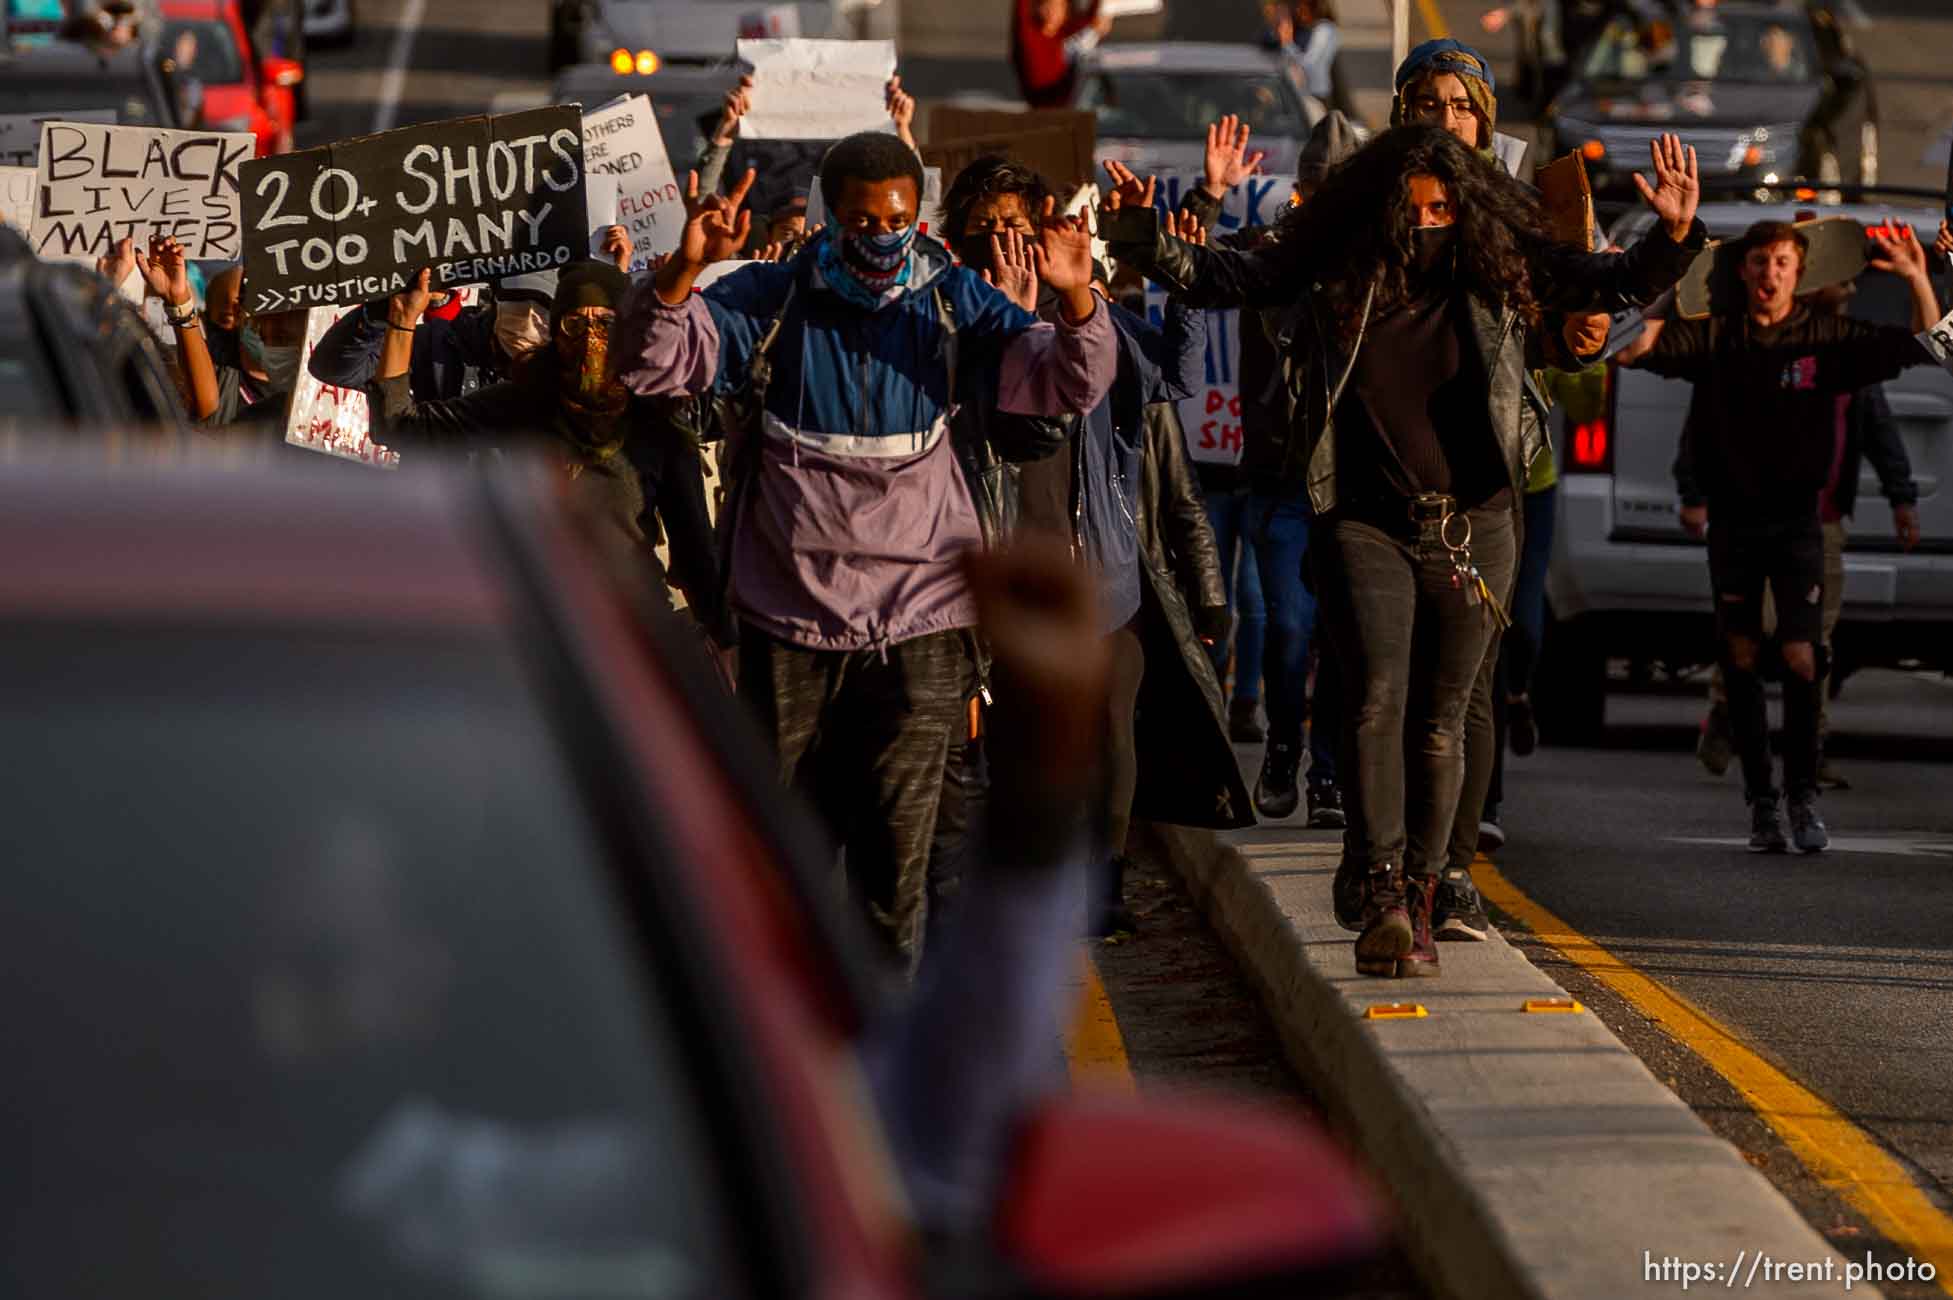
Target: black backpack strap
{"type": "Point", "coordinates": [747, 410]}
{"type": "Point", "coordinates": [947, 319]}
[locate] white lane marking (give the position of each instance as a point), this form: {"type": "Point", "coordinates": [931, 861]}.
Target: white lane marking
{"type": "Point", "coordinates": [1899, 846]}
{"type": "Point", "coordinates": [395, 80]}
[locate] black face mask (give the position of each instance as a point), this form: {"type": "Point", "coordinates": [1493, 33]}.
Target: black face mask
{"type": "Point", "coordinates": [1431, 247]}
{"type": "Point", "coordinates": [973, 251]}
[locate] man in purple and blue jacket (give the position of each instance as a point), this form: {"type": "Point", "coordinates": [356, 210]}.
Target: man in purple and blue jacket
{"type": "Point", "coordinates": [852, 512]}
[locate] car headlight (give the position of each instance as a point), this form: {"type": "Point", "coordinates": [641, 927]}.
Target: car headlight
{"type": "Point", "coordinates": [1577, 137]}
{"type": "Point", "coordinates": [1763, 146]}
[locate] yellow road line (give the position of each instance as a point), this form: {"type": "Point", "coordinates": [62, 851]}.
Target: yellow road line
{"type": "Point", "coordinates": [1095, 1049]}
{"type": "Point", "coordinates": [1433, 20]}
{"type": "Point", "coordinates": [1838, 1153]}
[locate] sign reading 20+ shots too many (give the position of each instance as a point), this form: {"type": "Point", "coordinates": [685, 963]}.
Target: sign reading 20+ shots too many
{"type": "Point", "coordinates": [474, 199]}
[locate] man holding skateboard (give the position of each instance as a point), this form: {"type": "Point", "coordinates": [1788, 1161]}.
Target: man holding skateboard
{"type": "Point", "coordinates": [1768, 373]}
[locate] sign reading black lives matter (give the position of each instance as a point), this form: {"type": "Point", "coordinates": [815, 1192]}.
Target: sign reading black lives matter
{"type": "Point", "coordinates": [97, 185]}
{"type": "Point", "coordinates": [475, 199]}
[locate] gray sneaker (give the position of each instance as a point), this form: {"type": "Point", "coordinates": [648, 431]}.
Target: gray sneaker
{"type": "Point", "coordinates": [1459, 911]}
{"type": "Point", "coordinates": [1766, 826]}
{"type": "Point", "coordinates": [1807, 828]}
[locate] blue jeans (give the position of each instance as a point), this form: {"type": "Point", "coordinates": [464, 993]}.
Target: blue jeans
{"type": "Point", "coordinates": [1278, 530]}
{"type": "Point", "coordinates": [1228, 512]}
{"type": "Point", "coordinates": [1529, 591]}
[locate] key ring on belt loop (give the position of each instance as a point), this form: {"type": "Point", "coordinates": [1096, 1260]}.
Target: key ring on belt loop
{"type": "Point", "coordinates": [1444, 532]}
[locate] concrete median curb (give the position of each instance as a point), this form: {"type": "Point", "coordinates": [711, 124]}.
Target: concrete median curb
{"type": "Point", "coordinates": [1531, 1155]}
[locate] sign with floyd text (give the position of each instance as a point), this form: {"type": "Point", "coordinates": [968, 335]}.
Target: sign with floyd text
{"type": "Point", "coordinates": [97, 184]}
{"type": "Point", "coordinates": [473, 199]}
{"type": "Point", "coordinates": [622, 140]}
{"type": "Point", "coordinates": [1212, 416]}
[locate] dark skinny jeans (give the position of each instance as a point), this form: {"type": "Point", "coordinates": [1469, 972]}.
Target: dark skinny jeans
{"type": "Point", "coordinates": [1410, 648]}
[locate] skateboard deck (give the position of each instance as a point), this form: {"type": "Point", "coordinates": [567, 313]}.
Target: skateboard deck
{"type": "Point", "coordinates": [1837, 254]}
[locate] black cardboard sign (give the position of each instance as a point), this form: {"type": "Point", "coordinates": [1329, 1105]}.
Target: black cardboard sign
{"type": "Point", "coordinates": [475, 199]}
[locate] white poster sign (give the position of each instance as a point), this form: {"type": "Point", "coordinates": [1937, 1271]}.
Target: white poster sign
{"type": "Point", "coordinates": [98, 184]}
{"type": "Point", "coordinates": [17, 197]}
{"type": "Point", "coordinates": [1211, 418]}
{"type": "Point", "coordinates": [1939, 341]}
{"type": "Point", "coordinates": [817, 90]}
{"type": "Point", "coordinates": [331, 420]}
{"type": "Point", "coordinates": [622, 140]}
{"type": "Point", "coordinates": [600, 197]}
{"type": "Point", "coordinates": [20, 133]}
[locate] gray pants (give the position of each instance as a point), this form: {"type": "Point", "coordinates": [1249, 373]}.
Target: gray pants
{"type": "Point", "coordinates": [864, 736]}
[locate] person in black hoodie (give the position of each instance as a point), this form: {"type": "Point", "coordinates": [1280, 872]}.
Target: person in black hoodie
{"type": "Point", "coordinates": [1417, 274]}
{"type": "Point", "coordinates": [1769, 373]}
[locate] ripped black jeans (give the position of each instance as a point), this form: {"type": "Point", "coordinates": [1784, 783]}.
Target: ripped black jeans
{"type": "Point", "coordinates": [1409, 644]}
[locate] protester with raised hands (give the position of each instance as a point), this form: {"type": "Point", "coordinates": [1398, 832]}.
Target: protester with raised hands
{"type": "Point", "coordinates": [1418, 272]}
{"type": "Point", "coordinates": [848, 510]}
{"type": "Point", "coordinates": [566, 400]}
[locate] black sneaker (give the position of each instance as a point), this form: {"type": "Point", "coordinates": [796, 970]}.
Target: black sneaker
{"type": "Point", "coordinates": [1349, 894]}
{"type": "Point", "coordinates": [1275, 792]}
{"type": "Point", "coordinates": [1242, 726]}
{"type": "Point", "coordinates": [1521, 728]}
{"type": "Point", "coordinates": [1326, 807]}
{"type": "Point", "coordinates": [1766, 825]}
{"type": "Point", "coordinates": [1807, 829]}
{"type": "Point", "coordinates": [1459, 913]}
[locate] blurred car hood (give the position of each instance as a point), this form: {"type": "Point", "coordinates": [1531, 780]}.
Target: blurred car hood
{"type": "Point", "coordinates": [1672, 104]}
{"type": "Point", "coordinates": [691, 31]}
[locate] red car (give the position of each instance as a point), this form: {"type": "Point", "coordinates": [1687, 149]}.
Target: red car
{"type": "Point", "coordinates": [231, 88]}
{"type": "Point", "coordinates": [395, 909]}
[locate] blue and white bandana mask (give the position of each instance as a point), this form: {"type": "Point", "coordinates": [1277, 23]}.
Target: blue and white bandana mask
{"type": "Point", "coordinates": [867, 270]}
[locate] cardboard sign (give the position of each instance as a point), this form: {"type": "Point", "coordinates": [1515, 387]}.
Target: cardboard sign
{"type": "Point", "coordinates": [20, 133]}
{"type": "Point", "coordinates": [474, 198]}
{"type": "Point", "coordinates": [97, 184]}
{"type": "Point", "coordinates": [1057, 143]}
{"type": "Point", "coordinates": [17, 198]}
{"type": "Point", "coordinates": [1211, 418]}
{"type": "Point", "coordinates": [1568, 199]}
{"type": "Point", "coordinates": [622, 140]}
{"type": "Point", "coordinates": [816, 90]}
{"type": "Point", "coordinates": [929, 212]}
{"type": "Point", "coordinates": [335, 421]}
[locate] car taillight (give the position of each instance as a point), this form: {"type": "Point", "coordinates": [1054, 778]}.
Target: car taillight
{"type": "Point", "coordinates": [1590, 442]}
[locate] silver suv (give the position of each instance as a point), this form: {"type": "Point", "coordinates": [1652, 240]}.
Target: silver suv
{"type": "Point", "coordinates": [1627, 583]}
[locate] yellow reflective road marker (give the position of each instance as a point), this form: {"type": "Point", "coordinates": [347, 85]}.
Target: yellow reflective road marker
{"type": "Point", "coordinates": [1841, 1155]}
{"type": "Point", "coordinates": [1550, 1004]}
{"type": "Point", "coordinates": [1095, 1050]}
{"type": "Point", "coordinates": [1395, 1011]}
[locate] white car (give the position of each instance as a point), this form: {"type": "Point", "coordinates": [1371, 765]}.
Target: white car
{"type": "Point", "coordinates": [1627, 583]}
{"type": "Point", "coordinates": [1155, 101]}
{"type": "Point", "coordinates": [329, 21]}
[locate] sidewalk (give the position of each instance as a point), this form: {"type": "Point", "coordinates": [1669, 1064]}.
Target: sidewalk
{"type": "Point", "coordinates": [1532, 1154]}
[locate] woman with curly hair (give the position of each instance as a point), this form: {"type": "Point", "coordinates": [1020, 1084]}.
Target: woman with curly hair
{"type": "Point", "coordinates": [1409, 288]}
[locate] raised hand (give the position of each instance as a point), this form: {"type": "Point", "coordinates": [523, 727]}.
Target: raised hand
{"type": "Point", "coordinates": [1585, 335]}
{"type": "Point", "coordinates": [1127, 191]}
{"type": "Point", "coordinates": [771, 252]}
{"type": "Point", "coordinates": [1185, 226]}
{"type": "Point", "coordinates": [1677, 188]}
{"type": "Point", "coordinates": [1945, 241]}
{"type": "Point", "coordinates": [404, 309]}
{"type": "Point", "coordinates": [617, 247]}
{"type": "Point", "coordinates": [1227, 161]}
{"type": "Point", "coordinates": [1063, 256]}
{"type": "Point", "coordinates": [167, 270]}
{"type": "Point", "coordinates": [120, 261]}
{"type": "Point", "coordinates": [1900, 253]}
{"type": "Point", "coordinates": [1014, 270]}
{"type": "Point", "coordinates": [901, 111]}
{"type": "Point", "coordinates": [738, 103]}
{"type": "Point", "coordinates": [716, 225]}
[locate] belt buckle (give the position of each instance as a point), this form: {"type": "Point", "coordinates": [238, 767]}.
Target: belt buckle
{"type": "Point", "coordinates": [1430, 507]}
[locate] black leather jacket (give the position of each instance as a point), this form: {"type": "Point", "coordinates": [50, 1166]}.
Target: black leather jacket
{"type": "Point", "coordinates": [1277, 273]}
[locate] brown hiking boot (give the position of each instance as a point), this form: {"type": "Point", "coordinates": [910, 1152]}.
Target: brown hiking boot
{"type": "Point", "coordinates": [1387, 934]}
{"type": "Point", "coordinates": [1420, 892]}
